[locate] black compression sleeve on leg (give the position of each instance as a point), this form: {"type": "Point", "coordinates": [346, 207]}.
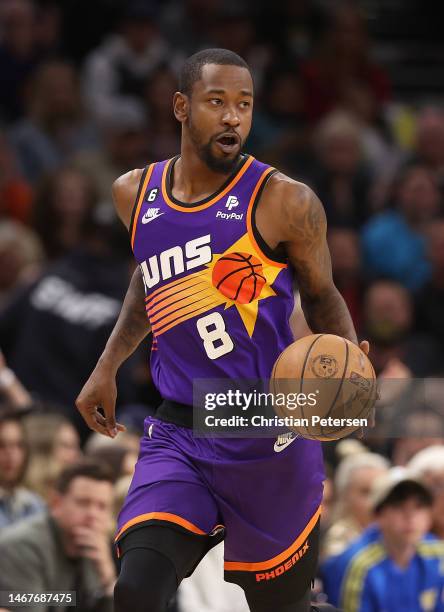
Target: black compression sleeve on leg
{"type": "Point", "coordinates": [146, 583]}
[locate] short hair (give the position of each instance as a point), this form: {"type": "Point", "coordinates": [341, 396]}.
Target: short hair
{"type": "Point", "coordinates": [192, 68]}
{"type": "Point", "coordinates": [405, 491]}
{"type": "Point", "coordinates": [83, 469]}
{"type": "Point", "coordinates": [349, 465]}
{"type": "Point", "coordinates": [427, 460]}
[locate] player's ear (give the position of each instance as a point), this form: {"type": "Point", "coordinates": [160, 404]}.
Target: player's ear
{"type": "Point", "coordinates": [180, 106]}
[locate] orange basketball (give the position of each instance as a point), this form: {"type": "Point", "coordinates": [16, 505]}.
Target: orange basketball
{"type": "Point", "coordinates": [239, 277]}
{"type": "Point", "coordinates": [335, 375]}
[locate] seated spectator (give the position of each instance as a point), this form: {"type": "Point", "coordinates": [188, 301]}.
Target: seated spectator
{"type": "Point", "coordinates": [68, 548]}
{"type": "Point", "coordinates": [56, 125]}
{"type": "Point", "coordinates": [54, 445]}
{"type": "Point", "coordinates": [69, 313]}
{"type": "Point", "coordinates": [341, 176]}
{"type": "Point", "coordinates": [428, 465]}
{"type": "Point", "coordinates": [396, 565]}
{"type": "Point", "coordinates": [115, 73]}
{"type": "Point", "coordinates": [63, 210]}
{"type": "Point", "coordinates": [16, 502]}
{"type": "Point", "coordinates": [345, 252]}
{"type": "Point", "coordinates": [387, 324]}
{"type": "Point", "coordinates": [15, 193]}
{"type": "Point", "coordinates": [21, 258]}
{"type": "Point", "coordinates": [416, 430]}
{"type": "Point", "coordinates": [18, 54]}
{"type": "Point", "coordinates": [430, 298]}
{"type": "Point", "coordinates": [394, 241]}
{"type": "Point", "coordinates": [429, 145]}
{"type": "Point", "coordinates": [353, 482]}
{"type": "Point", "coordinates": [343, 59]}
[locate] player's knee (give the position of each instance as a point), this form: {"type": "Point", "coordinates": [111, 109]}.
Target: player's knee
{"type": "Point", "coordinates": [134, 592]}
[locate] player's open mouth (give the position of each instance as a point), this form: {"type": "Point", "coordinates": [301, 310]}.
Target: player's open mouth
{"type": "Point", "coordinates": [228, 142]}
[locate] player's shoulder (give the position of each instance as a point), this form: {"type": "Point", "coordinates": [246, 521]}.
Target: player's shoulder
{"type": "Point", "coordinates": [294, 202]}
{"type": "Point", "coordinates": [124, 190]}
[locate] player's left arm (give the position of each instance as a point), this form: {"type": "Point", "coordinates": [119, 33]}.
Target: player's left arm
{"type": "Point", "coordinates": [304, 231]}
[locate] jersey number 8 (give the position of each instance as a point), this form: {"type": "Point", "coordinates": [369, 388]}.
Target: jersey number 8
{"type": "Point", "coordinates": [216, 340]}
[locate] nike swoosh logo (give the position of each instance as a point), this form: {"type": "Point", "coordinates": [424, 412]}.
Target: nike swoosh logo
{"type": "Point", "coordinates": [148, 219]}
{"type": "Point", "coordinates": [278, 448]}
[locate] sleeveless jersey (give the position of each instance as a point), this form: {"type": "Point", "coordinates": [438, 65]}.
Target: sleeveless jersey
{"type": "Point", "coordinates": [217, 301]}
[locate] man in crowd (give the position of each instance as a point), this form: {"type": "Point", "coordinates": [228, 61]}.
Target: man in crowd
{"type": "Point", "coordinates": [395, 565]}
{"type": "Point", "coordinates": [67, 549]}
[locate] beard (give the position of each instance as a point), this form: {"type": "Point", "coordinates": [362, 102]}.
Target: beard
{"type": "Point", "coordinates": [222, 165]}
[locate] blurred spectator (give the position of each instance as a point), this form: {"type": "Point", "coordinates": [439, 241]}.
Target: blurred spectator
{"type": "Point", "coordinates": [279, 129]}
{"type": "Point", "coordinates": [16, 502]}
{"type": "Point", "coordinates": [69, 313]}
{"type": "Point", "coordinates": [125, 145]}
{"type": "Point", "coordinates": [351, 513]}
{"type": "Point", "coordinates": [429, 317]}
{"type": "Point", "coordinates": [428, 465]}
{"type": "Point", "coordinates": [120, 455]}
{"type": "Point", "coordinates": [12, 392]}
{"type": "Point", "coordinates": [395, 565]}
{"type": "Point", "coordinates": [68, 548]}
{"type": "Point", "coordinates": [15, 193]}
{"type": "Point", "coordinates": [345, 254]}
{"type": "Point", "coordinates": [53, 445]}
{"type": "Point", "coordinates": [394, 242]}
{"type": "Point", "coordinates": [56, 126]}
{"type": "Point", "coordinates": [18, 55]}
{"type": "Point", "coordinates": [387, 324]}
{"type": "Point", "coordinates": [21, 258]}
{"type": "Point", "coordinates": [187, 24]}
{"type": "Point", "coordinates": [429, 146]}
{"type": "Point", "coordinates": [164, 129]}
{"type": "Point", "coordinates": [63, 210]}
{"type": "Point", "coordinates": [116, 72]}
{"type": "Point", "coordinates": [418, 430]}
{"type": "Point", "coordinates": [341, 177]}
{"type": "Point", "coordinates": [48, 27]}
{"type": "Point", "coordinates": [343, 61]}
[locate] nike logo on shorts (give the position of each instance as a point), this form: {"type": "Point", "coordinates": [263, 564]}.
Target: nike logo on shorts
{"type": "Point", "coordinates": [284, 440]}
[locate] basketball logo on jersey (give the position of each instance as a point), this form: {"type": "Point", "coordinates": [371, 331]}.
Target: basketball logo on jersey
{"type": "Point", "coordinates": [239, 277]}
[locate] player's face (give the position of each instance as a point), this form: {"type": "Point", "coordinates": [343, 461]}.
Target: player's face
{"type": "Point", "coordinates": [220, 114]}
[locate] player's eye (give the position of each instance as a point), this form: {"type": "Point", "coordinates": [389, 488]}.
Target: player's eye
{"type": "Point", "coordinates": [216, 101]}
{"type": "Point", "coordinates": [245, 104]}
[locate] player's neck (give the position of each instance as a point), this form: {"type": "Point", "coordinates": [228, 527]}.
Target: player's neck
{"type": "Point", "coordinates": [193, 180]}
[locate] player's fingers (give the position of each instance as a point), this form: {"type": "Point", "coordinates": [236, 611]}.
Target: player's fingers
{"type": "Point", "coordinates": [109, 408]}
{"type": "Point", "coordinates": [364, 346]}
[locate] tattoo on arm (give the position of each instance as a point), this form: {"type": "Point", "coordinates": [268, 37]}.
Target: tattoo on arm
{"type": "Point", "coordinates": [131, 327]}
{"type": "Point", "coordinates": [324, 307]}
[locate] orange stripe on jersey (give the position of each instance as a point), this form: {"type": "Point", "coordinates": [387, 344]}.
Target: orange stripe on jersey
{"type": "Point", "coordinates": [172, 288]}
{"type": "Point", "coordinates": [160, 516]}
{"type": "Point", "coordinates": [176, 304]}
{"type": "Point", "coordinates": [220, 195]}
{"type": "Point", "coordinates": [206, 302]}
{"type": "Point", "coordinates": [283, 556]}
{"type": "Point", "coordinates": [190, 315]}
{"type": "Point", "coordinates": [139, 202]}
{"type": "Point", "coordinates": [177, 296]}
{"type": "Point", "coordinates": [249, 226]}
{"type": "Point", "coordinates": [166, 288]}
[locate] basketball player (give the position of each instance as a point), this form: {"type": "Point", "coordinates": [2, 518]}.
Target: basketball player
{"type": "Point", "coordinates": [195, 221]}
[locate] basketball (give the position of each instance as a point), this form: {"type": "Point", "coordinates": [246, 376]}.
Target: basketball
{"type": "Point", "coordinates": [239, 277]}
{"type": "Point", "coordinates": [338, 378]}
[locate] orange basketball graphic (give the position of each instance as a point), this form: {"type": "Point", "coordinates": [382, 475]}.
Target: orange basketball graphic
{"type": "Point", "coordinates": [239, 277]}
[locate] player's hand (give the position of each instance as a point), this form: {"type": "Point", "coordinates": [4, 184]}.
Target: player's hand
{"type": "Point", "coordinates": [94, 544]}
{"type": "Point", "coordinates": [364, 345]}
{"type": "Point", "coordinates": [100, 391]}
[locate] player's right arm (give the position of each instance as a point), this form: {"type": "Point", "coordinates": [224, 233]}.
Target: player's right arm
{"type": "Point", "coordinates": [131, 328]}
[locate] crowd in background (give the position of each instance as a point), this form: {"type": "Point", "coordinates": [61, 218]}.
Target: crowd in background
{"type": "Point", "coordinates": [86, 95]}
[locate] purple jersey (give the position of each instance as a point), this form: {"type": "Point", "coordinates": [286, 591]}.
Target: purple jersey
{"type": "Point", "coordinates": [217, 304]}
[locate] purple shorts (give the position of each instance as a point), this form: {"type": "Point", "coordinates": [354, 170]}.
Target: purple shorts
{"type": "Point", "coordinates": [265, 493]}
